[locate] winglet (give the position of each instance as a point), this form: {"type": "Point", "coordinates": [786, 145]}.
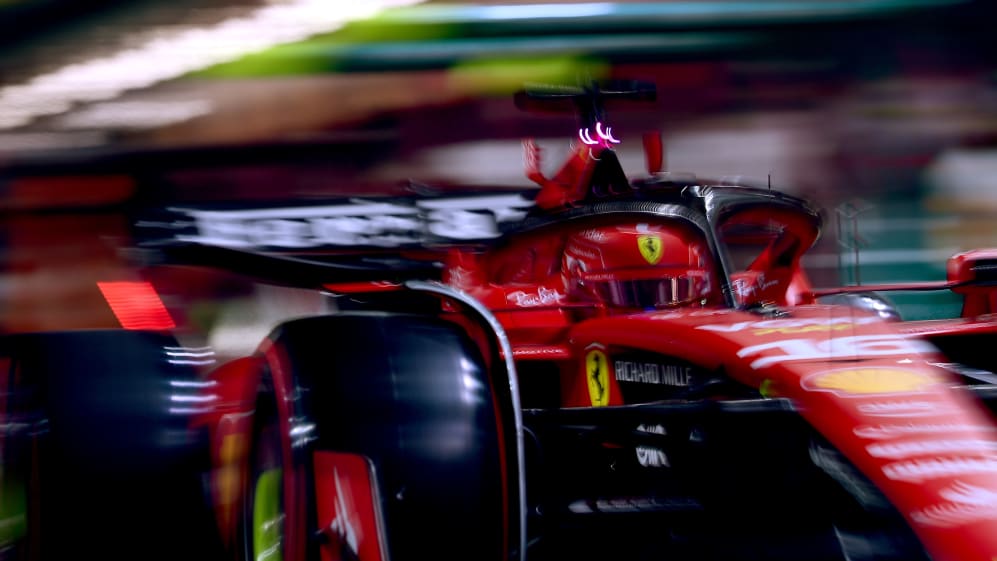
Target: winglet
{"type": "Point", "coordinates": [573, 183]}
{"type": "Point", "coordinates": [654, 152]}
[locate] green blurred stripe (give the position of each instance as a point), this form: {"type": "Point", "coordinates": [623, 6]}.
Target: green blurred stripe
{"type": "Point", "coordinates": [439, 35]}
{"type": "Point", "coordinates": [702, 14]}
{"type": "Point", "coordinates": [320, 56]}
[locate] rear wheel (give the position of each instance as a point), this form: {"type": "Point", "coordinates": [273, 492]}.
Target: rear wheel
{"type": "Point", "coordinates": [264, 507]}
{"type": "Point", "coordinates": [393, 415]}
{"type": "Point", "coordinates": [104, 449]}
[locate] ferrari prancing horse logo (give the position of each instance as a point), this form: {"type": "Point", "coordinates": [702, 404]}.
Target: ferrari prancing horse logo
{"type": "Point", "coordinates": [650, 248]}
{"type": "Point", "coordinates": [597, 375]}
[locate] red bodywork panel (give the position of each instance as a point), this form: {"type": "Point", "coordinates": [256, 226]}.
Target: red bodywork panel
{"type": "Point", "coordinates": [348, 507]}
{"type": "Point", "coordinates": [230, 423]}
{"type": "Point", "coordinates": [868, 385]}
{"type": "Point", "coordinates": [871, 390]}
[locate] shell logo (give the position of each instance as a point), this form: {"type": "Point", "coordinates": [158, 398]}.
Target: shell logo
{"type": "Point", "coordinates": [873, 380]}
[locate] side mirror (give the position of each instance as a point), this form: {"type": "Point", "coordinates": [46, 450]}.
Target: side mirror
{"type": "Point", "coordinates": [974, 267]}
{"type": "Point", "coordinates": [868, 301]}
{"type": "Point", "coordinates": [974, 275]}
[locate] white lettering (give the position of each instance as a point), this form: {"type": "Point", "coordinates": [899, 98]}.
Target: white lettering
{"type": "Point", "coordinates": [649, 456]}
{"type": "Point", "coordinates": [889, 431]}
{"type": "Point", "coordinates": [652, 373]}
{"type": "Point", "coordinates": [224, 232]}
{"type": "Point", "coordinates": [777, 324]}
{"type": "Point", "coordinates": [543, 297]}
{"type": "Point", "coordinates": [901, 408]}
{"type": "Point", "coordinates": [897, 450]}
{"type": "Point", "coordinates": [462, 224]}
{"type": "Point", "coordinates": [357, 223]}
{"type": "Point", "coordinates": [933, 468]}
{"type": "Point", "coordinates": [967, 503]}
{"type": "Point", "coordinates": [858, 346]}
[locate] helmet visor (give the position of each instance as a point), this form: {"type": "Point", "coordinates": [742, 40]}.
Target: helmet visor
{"type": "Point", "coordinates": [659, 292]}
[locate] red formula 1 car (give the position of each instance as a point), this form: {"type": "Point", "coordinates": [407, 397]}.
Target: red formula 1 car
{"type": "Point", "coordinates": [604, 368]}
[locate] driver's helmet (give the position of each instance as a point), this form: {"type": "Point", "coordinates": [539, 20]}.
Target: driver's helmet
{"type": "Point", "coordinates": [638, 266]}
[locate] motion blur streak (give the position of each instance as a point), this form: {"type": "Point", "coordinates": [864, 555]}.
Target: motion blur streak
{"type": "Point", "coordinates": [173, 53]}
{"type": "Point", "coordinates": [136, 305]}
{"type": "Point", "coordinates": [546, 10]}
{"type": "Point", "coordinates": [199, 356]}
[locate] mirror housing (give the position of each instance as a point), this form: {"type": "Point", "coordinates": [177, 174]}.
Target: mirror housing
{"type": "Point", "coordinates": [974, 275]}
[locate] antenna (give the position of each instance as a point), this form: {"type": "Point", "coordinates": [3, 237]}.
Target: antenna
{"type": "Point", "coordinates": [849, 211]}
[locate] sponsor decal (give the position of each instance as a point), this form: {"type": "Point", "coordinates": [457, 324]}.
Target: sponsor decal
{"type": "Point", "coordinates": [542, 297]}
{"type": "Point", "coordinates": [594, 235]}
{"type": "Point", "coordinates": [966, 503]}
{"type": "Point", "coordinates": [890, 431]}
{"type": "Point", "coordinates": [904, 408]}
{"type": "Point", "coordinates": [666, 315]}
{"type": "Point", "coordinates": [859, 346]}
{"type": "Point", "coordinates": [711, 313]}
{"type": "Point", "coordinates": [635, 504]}
{"type": "Point", "coordinates": [803, 329]}
{"type": "Point", "coordinates": [576, 251]}
{"type": "Point", "coordinates": [762, 327]}
{"type": "Point", "coordinates": [918, 470]}
{"type": "Point", "coordinates": [873, 380]}
{"type": "Point", "coordinates": [460, 277]}
{"type": "Point", "coordinates": [898, 450]}
{"type": "Point", "coordinates": [359, 222]}
{"type": "Point", "coordinates": [344, 524]}
{"type": "Point", "coordinates": [650, 248]}
{"type": "Point", "coordinates": [346, 506]}
{"type": "Point", "coordinates": [645, 376]}
{"type": "Point", "coordinates": [652, 373]}
{"type": "Point", "coordinates": [671, 315]}
{"type": "Point", "coordinates": [746, 288]}
{"type": "Point", "coordinates": [649, 456]}
{"type": "Point", "coordinates": [597, 376]}
{"type": "Point", "coordinates": [552, 351]}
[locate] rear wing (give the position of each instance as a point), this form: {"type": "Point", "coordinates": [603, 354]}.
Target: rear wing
{"type": "Point", "coordinates": [588, 102]}
{"type": "Point", "coordinates": [353, 240]}
{"type": "Point", "coordinates": [593, 170]}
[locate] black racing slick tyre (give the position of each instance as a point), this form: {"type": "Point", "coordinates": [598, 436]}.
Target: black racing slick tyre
{"type": "Point", "coordinates": [409, 397]}
{"type": "Point", "coordinates": [99, 442]}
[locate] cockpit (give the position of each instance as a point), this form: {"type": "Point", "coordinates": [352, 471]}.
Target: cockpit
{"type": "Point", "coordinates": [638, 265]}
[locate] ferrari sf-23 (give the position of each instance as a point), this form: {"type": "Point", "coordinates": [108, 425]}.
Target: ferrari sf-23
{"type": "Point", "coordinates": [601, 368]}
